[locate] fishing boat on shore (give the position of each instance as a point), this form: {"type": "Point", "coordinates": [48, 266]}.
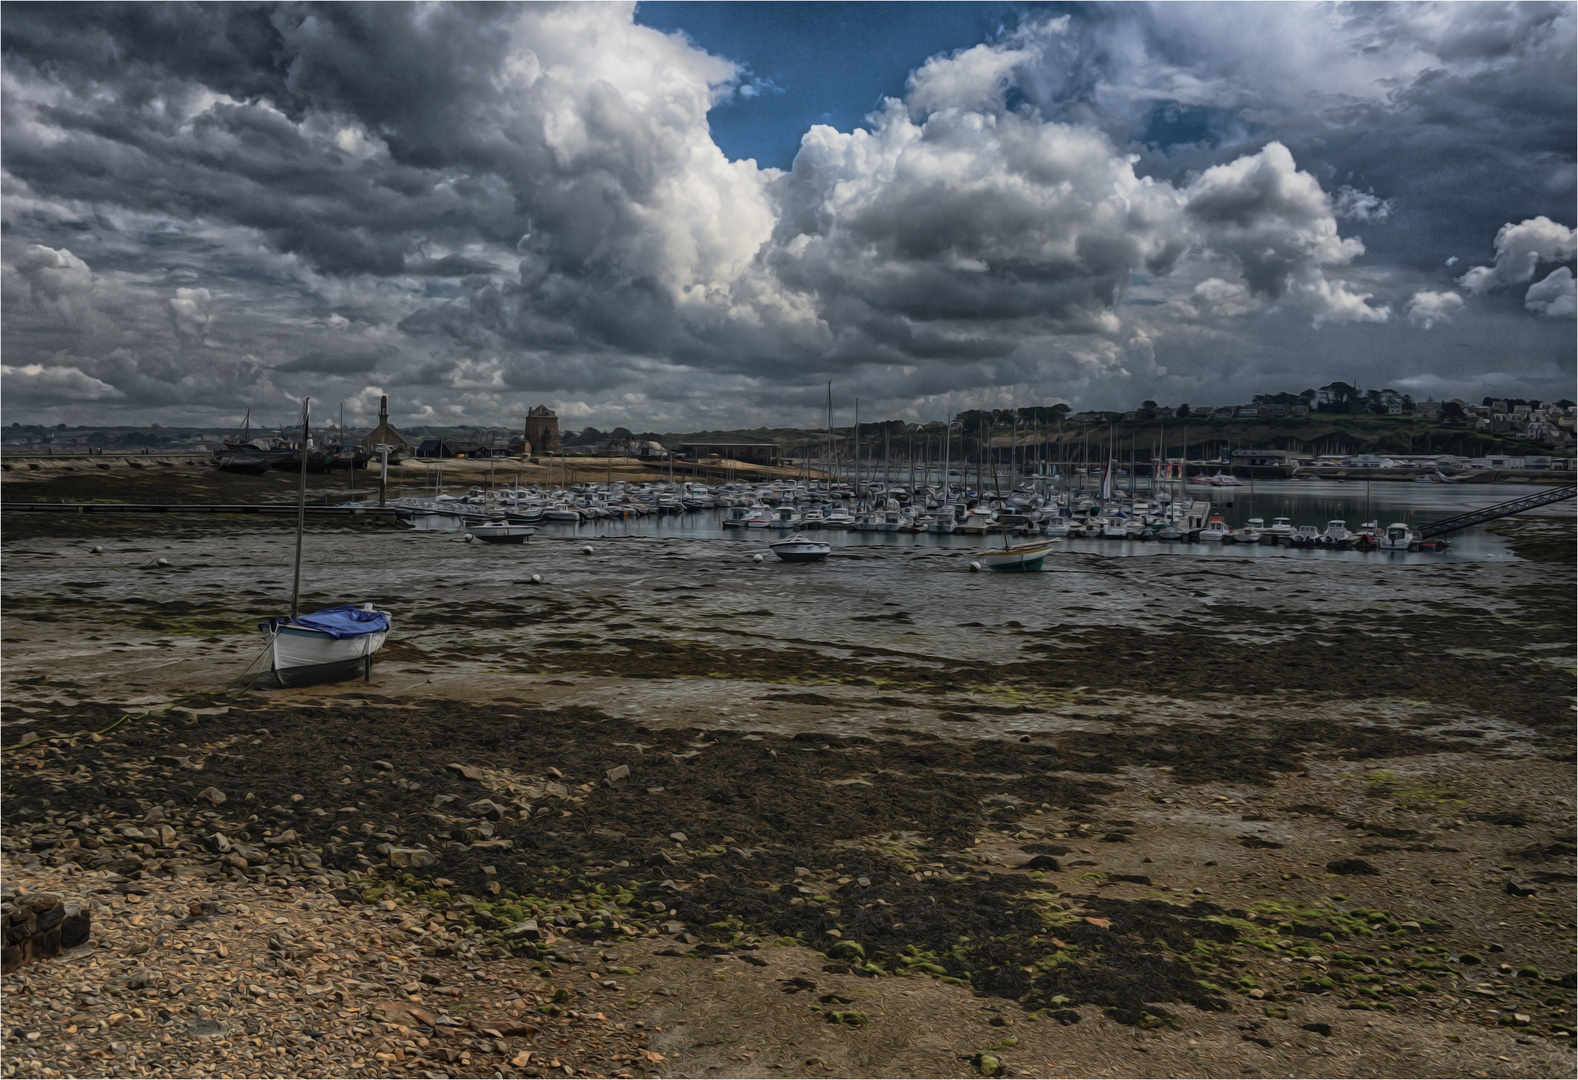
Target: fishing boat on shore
{"type": "Point", "coordinates": [333, 643]}
{"type": "Point", "coordinates": [241, 461]}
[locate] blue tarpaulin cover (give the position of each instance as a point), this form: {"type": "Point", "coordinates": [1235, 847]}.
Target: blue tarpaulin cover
{"type": "Point", "coordinates": [344, 621]}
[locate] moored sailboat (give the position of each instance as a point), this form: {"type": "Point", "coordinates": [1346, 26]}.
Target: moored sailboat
{"type": "Point", "coordinates": [333, 643]}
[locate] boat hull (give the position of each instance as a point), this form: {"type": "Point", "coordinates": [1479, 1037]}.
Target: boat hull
{"type": "Point", "coordinates": [303, 657]}
{"type": "Point", "coordinates": [502, 534]}
{"type": "Point", "coordinates": [798, 550]}
{"type": "Point", "coordinates": [1026, 558]}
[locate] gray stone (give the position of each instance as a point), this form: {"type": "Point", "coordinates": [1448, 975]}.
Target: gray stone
{"type": "Point", "coordinates": [140, 979]}
{"type": "Point", "coordinates": [618, 773]}
{"type": "Point", "coordinates": [411, 857]}
{"type": "Point", "coordinates": [204, 1028]}
{"type": "Point", "coordinates": [486, 808]}
{"type": "Point", "coordinates": [212, 795]}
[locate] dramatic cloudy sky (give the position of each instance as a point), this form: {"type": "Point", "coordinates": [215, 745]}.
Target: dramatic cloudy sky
{"type": "Point", "coordinates": [676, 215]}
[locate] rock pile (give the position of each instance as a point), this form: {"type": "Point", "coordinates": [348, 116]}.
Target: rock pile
{"type": "Point", "coordinates": [39, 925]}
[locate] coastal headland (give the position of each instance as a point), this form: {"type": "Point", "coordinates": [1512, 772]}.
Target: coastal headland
{"type": "Point", "coordinates": [667, 811]}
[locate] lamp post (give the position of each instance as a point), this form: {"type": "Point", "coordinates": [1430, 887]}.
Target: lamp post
{"type": "Point", "coordinates": [383, 450]}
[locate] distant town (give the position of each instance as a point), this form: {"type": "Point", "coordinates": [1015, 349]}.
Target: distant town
{"type": "Point", "coordinates": [1336, 424]}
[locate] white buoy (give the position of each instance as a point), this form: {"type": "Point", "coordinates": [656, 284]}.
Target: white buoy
{"type": "Point", "coordinates": [587, 550]}
{"type": "Point", "coordinates": [536, 579]}
{"type": "Point", "coordinates": [975, 567]}
{"type": "Point", "coordinates": [756, 558]}
{"type": "Point", "coordinates": [161, 561]}
{"type": "Point", "coordinates": [96, 550]}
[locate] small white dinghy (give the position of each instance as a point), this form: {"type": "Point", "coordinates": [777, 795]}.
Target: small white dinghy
{"type": "Point", "coordinates": [501, 532]}
{"type": "Point", "coordinates": [1020, 558]}
{"type": "Point", "coordinates": [799, 548]}
{"type": "Point", "coordinates": [331, 645]}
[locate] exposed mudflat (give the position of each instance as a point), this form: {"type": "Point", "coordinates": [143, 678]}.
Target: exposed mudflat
{"type": "Point", "coordinates": [1137, 816]}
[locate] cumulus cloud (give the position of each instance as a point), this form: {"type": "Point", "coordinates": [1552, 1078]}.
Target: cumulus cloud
{"type": "Point", "coordinates": [1355, 205]}
{"type": "Point", "coordinates": [1554, 297]}
{"type": "Point", "coordinates": [190, 312]}
{"type": "Point", "coordinates": [49, 384]}
{"type": "Point", "coordinates": [1520, 249]}
{"type": "Point", "coordinates": [58, 282]}
{"type": "Point", "coordinates": [1279, 227]}
{"type": "Point", "coordinates": [1222, 297]}
{"type": "Point", "coordinates": [489, 206]}
{"type": "Point", "coordinates": [1428, 307]}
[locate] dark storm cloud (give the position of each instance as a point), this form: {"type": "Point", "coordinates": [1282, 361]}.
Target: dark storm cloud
{"type": "Point", "coordinates": [488, 205]}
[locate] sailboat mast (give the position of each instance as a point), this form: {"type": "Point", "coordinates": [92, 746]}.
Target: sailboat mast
{"type": "Point", "coordinates": [827, 477]}
{"type": "Point", "coordinates": [858, 500]}
{"type": "Point", "coordinates": [301, 503]}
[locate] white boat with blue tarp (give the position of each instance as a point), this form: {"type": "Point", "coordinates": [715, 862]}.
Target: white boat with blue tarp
{"type": "Point", "coordinates": [329, 645]}
{"type": "Point", "coordinates": [332, 643]}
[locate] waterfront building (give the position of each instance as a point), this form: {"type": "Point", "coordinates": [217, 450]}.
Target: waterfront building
{"type": "Point", "coordinates": [542, 430]}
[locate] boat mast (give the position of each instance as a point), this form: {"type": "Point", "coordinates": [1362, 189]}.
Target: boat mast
{"type": "Point", "coordinates": [301, 503]}
{"type": "Point", "coordinates": [859, 502]}
{"type": "Point", "coordinates": [827, 475]}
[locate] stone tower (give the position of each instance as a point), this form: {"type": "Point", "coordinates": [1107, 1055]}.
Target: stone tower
{"type": "Point", "coordinates": [542, 430]}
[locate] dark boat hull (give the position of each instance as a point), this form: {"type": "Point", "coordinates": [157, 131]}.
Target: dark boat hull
{"type": "Point", "coordinates": [242, 463]}
{"type": "Point", "coordinates": [360, 667]}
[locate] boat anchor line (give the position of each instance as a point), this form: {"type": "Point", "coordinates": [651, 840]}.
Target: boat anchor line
{"type": "Point", "coordinates": [1499, 510]}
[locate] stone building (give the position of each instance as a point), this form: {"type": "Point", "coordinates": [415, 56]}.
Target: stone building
{"type": "Point", "coordinates": [542, 430]}
{"type": "Point", "coordinates": [385, 433]}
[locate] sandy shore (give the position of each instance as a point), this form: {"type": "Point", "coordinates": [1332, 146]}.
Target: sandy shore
{"type": "Point", "coordinates": [1168, 822]}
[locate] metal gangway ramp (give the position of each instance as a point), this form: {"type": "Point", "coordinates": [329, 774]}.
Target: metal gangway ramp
{"type": "Point", "coordinates": [1500, 510]}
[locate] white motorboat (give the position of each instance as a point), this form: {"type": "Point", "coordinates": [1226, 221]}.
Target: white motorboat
{"type": "Point", "coordinates": [1281, 529]}
{"type": "Point", "coordinates": [1058, 527]}
{"type": "Point", "coordinates": [562, 511]}
{"type": "Point", "coordinates": [1215, 530]}
{"type": "Point", "coordinates": [1307, 536]}
{"type": "Point", "coordinates": [759, 517]}
{"type": "Point", "coordinates": [1337, 534]}
{"type": "Point", "coordinates": [500, 532]}
{"type": "Point", "coordinates": [800, 549]}
{"type": "Point", "coordinates": [1398, 537]}
{"type": "Point", "coordinates": [1253, 531]}
{"type": "Point", "coordinates": [785, 518]}
{"type": "Point", "coordinates": [837, 517]}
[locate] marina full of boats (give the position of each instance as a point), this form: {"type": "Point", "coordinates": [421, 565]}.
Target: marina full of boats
{"type": "Point", "coordinates": [788, 507]}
